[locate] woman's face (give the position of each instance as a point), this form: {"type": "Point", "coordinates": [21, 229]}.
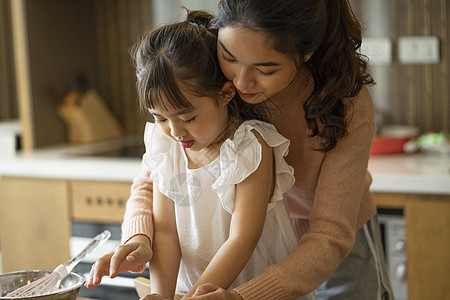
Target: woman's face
{"type": "Point", "coordinates": [257, 70]}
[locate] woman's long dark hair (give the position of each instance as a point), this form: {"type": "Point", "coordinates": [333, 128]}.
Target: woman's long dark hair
{"type": "Point", "coordinates": [326, 28]}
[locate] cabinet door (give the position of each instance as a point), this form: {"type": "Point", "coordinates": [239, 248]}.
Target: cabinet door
{"type": "Point", "coordinates": [428, 246]}
{"type": "Point", "coordinates": [34, 223]}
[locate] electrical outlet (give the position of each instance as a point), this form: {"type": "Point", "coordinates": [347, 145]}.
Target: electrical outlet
{"type": "Point", "coordinates": [377, 49]}
{"type": "Point", "coordinates": [418, 49]}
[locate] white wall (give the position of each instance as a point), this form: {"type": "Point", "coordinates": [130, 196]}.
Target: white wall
{"type": "Point", "coordinates": [165, 11]}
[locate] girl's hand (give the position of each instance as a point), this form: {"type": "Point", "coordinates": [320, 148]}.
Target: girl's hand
{"type": "Point", "coordinates": [210, 291]}
{"type": "Point", "coordinates": [131, 256]}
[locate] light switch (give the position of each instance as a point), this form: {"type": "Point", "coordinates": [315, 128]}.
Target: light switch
{"type": "Point", "coordinates": [377, 49]}
{"type": "Point", "coordinates": [418, 49]}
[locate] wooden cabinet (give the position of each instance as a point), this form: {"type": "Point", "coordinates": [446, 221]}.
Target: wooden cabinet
{"type": "Point", "coordinates": [99, 201]}
{"type": "Point", "coordinates": [36, 216]}
{"type": "Point", "coordinates": [427, 219]}
{"type": "Point", "coordinates": [54, 41]}
{"type": "Point", "coordinates": [34, 223]}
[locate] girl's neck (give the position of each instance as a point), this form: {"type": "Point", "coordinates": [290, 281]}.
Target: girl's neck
{"type": "Point", "coordinates": [198, 159]}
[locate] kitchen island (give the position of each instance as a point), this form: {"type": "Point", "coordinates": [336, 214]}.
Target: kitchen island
{"type": "Point", "coordinates": [42, 192]}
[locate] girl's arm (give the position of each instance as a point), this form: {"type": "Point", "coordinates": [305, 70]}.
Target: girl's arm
{"type": "Point", "coordinates": [247, 222]}
{"type": "Point", "coordinates": [166, 248]}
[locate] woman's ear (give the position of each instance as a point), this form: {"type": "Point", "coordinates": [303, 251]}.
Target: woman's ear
{"type": "Point", "coordinates": [227, 92]}
{"type": "Point", "coordinates": [307, 56]}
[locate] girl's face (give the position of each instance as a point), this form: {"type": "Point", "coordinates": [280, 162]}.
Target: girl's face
{"type": "Point", "coordinates": [197, 127]}
{"type": "Point", "coordinates": [257, 70]}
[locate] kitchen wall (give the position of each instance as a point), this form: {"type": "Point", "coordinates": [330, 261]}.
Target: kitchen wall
{"type": "Point", "coordinates": [415, 94]}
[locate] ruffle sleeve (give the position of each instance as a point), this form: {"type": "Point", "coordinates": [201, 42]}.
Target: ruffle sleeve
{"type": "Point", "coordinates": [241, 156]}
{"type": "Point", "coordinates": [160, 156]}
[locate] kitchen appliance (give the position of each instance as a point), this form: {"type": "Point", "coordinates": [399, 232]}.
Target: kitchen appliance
{"type": "Point", "coordinates": [392, 226]}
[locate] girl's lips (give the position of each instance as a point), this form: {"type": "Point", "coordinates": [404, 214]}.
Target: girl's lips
{"type": "Point", "coordinates": [246, 95]}
{"type": "Point", "coordinates": [187, 144]}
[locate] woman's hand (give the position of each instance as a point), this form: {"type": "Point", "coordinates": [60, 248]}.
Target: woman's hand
{"type": "Point", "coordinates": [210, 291]}
{"type": "Point", "coordinates": [131, 256]}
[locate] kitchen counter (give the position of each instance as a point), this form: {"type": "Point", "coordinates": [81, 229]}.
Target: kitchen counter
{"type": "Point", "coordinates": [411, 173]}
{"type": "Point", "coordinates": [400, 173]}
{"type": "Point", "coordinates": [79, 162]}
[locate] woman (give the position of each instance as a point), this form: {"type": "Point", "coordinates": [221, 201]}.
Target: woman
{"type": "Point", "coordinates": [300, 58]}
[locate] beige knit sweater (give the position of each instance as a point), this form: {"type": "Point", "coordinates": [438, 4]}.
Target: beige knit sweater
{"type": "Point", "coordinates": [329, 202]}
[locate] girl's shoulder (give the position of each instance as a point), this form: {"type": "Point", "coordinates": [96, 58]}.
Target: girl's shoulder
{"type": "Point", "coordinates": [241, 156]}
{"type": "Point", "coordinates": [255, 131]}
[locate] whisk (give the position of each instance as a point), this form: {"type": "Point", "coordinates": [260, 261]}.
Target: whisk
{"type": "Point", "coordinates": [47, 284]}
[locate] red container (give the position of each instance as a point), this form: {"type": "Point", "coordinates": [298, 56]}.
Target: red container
{"type": "Point", "coordinates": [388, 145]}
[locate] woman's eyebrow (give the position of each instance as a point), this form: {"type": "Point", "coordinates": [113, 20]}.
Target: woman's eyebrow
{"type": "Point", "coordinates": [262, 64]}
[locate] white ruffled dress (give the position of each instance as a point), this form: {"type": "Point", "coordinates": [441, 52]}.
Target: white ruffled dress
{"type": "Point", "coordinates": [204, 198]}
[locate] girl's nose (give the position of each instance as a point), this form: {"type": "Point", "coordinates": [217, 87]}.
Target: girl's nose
{"type": "Point", "coordinates": [177, 131]}
{"type": "Point", "coordinates": [244, 79]}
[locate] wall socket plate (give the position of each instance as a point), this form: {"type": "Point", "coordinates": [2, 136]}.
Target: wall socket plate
{"type": "Point", "coordinates": [377, 49]}
{"type": "Point", "coordinates": [418, 49]}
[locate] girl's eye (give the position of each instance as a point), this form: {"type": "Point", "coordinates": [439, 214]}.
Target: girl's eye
{"type": "Point", "coordinates": [160, 120]}
{"type": "Point", "coordinates": [188, 121]}
{"type": "Point", "coordinates": [227, 59]}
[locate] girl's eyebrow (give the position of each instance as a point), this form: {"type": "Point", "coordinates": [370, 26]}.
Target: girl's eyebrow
{"type": "Point", "coordinates": [181, 112]}
{"type": "Point", "coordinates": [262, 64]}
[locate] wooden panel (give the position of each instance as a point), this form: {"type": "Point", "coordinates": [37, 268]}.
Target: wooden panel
{"type": "Point", "coordinates": [428, 247]}
{"type": "Point", "coordinates": [8, 101]}
{"type": "Point", "coordinates": [418, 94]}
{"type": "Point", "coordinates": [99, 201]}
{"type": "Point", "coordinates": [34, 223]}
{"type": "Point", "coordinates": [389, 200]}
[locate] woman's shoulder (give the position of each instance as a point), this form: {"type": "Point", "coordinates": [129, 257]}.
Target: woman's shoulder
{"type": "Point", "coordinates": [361, 106]}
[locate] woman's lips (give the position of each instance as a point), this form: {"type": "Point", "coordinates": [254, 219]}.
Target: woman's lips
{"type": "Point", "coordinates": [187, 144]}
{"type": "Point", "coordinates": [247, 95]}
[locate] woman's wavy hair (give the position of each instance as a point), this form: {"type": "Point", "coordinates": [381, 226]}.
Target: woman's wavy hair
{"type": "Point", "coordinates": [329, 31]}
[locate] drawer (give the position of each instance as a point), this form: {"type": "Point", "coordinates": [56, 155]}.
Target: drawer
{"type": "Point", "coordinates": [99, 201]}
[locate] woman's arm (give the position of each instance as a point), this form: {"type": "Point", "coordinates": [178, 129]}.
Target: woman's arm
{"type": "Point", "coordinates": [139, 208]}
{"type": "Point", "coordinates": [247, 222]}
{"type": "Point", "coordinates": [166, 248]}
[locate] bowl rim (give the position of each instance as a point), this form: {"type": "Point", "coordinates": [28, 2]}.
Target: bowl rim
{"type": "Point", "coordinates": [48, 271]}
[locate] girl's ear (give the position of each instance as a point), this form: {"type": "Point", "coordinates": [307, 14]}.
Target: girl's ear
{"type": "Point", "coordinates": [227, 92]}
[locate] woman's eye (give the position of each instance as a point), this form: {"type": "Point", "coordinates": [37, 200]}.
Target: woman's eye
{"type": "Point", "coordinates": [227, 59]}
{"type": "Point", "coordinates": [160, 120]}
{"type": "Point", "coordinates": [266, 73]}
{"type": "Point", "coordinates": [188, 121]}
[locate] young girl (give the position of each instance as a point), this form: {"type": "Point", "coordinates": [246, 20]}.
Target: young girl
{"type": "Point", "coordinates": [219, 214]}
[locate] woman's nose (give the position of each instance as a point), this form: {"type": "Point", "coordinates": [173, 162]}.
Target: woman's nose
{"type": "Point", "coordinates": [244, 79]}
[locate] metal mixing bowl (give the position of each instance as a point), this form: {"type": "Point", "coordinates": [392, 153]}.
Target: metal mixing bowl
{"type": "Point", "coordinates": [68, 289]}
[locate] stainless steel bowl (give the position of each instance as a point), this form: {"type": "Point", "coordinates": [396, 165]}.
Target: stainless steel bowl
{"type": "Point", "coordinates": [68, 289]}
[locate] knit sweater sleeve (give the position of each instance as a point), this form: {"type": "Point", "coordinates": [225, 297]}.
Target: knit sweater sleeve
{"type": "Point", "coordinates": [341, 186]}
{"type": "Point", "coordinates": [139, 209]}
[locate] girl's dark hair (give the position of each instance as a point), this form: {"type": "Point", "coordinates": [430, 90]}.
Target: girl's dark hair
{"type": "Point", "coordinates": [183, 52]}
{"type": "Point", "coordinates": [326, 28]}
